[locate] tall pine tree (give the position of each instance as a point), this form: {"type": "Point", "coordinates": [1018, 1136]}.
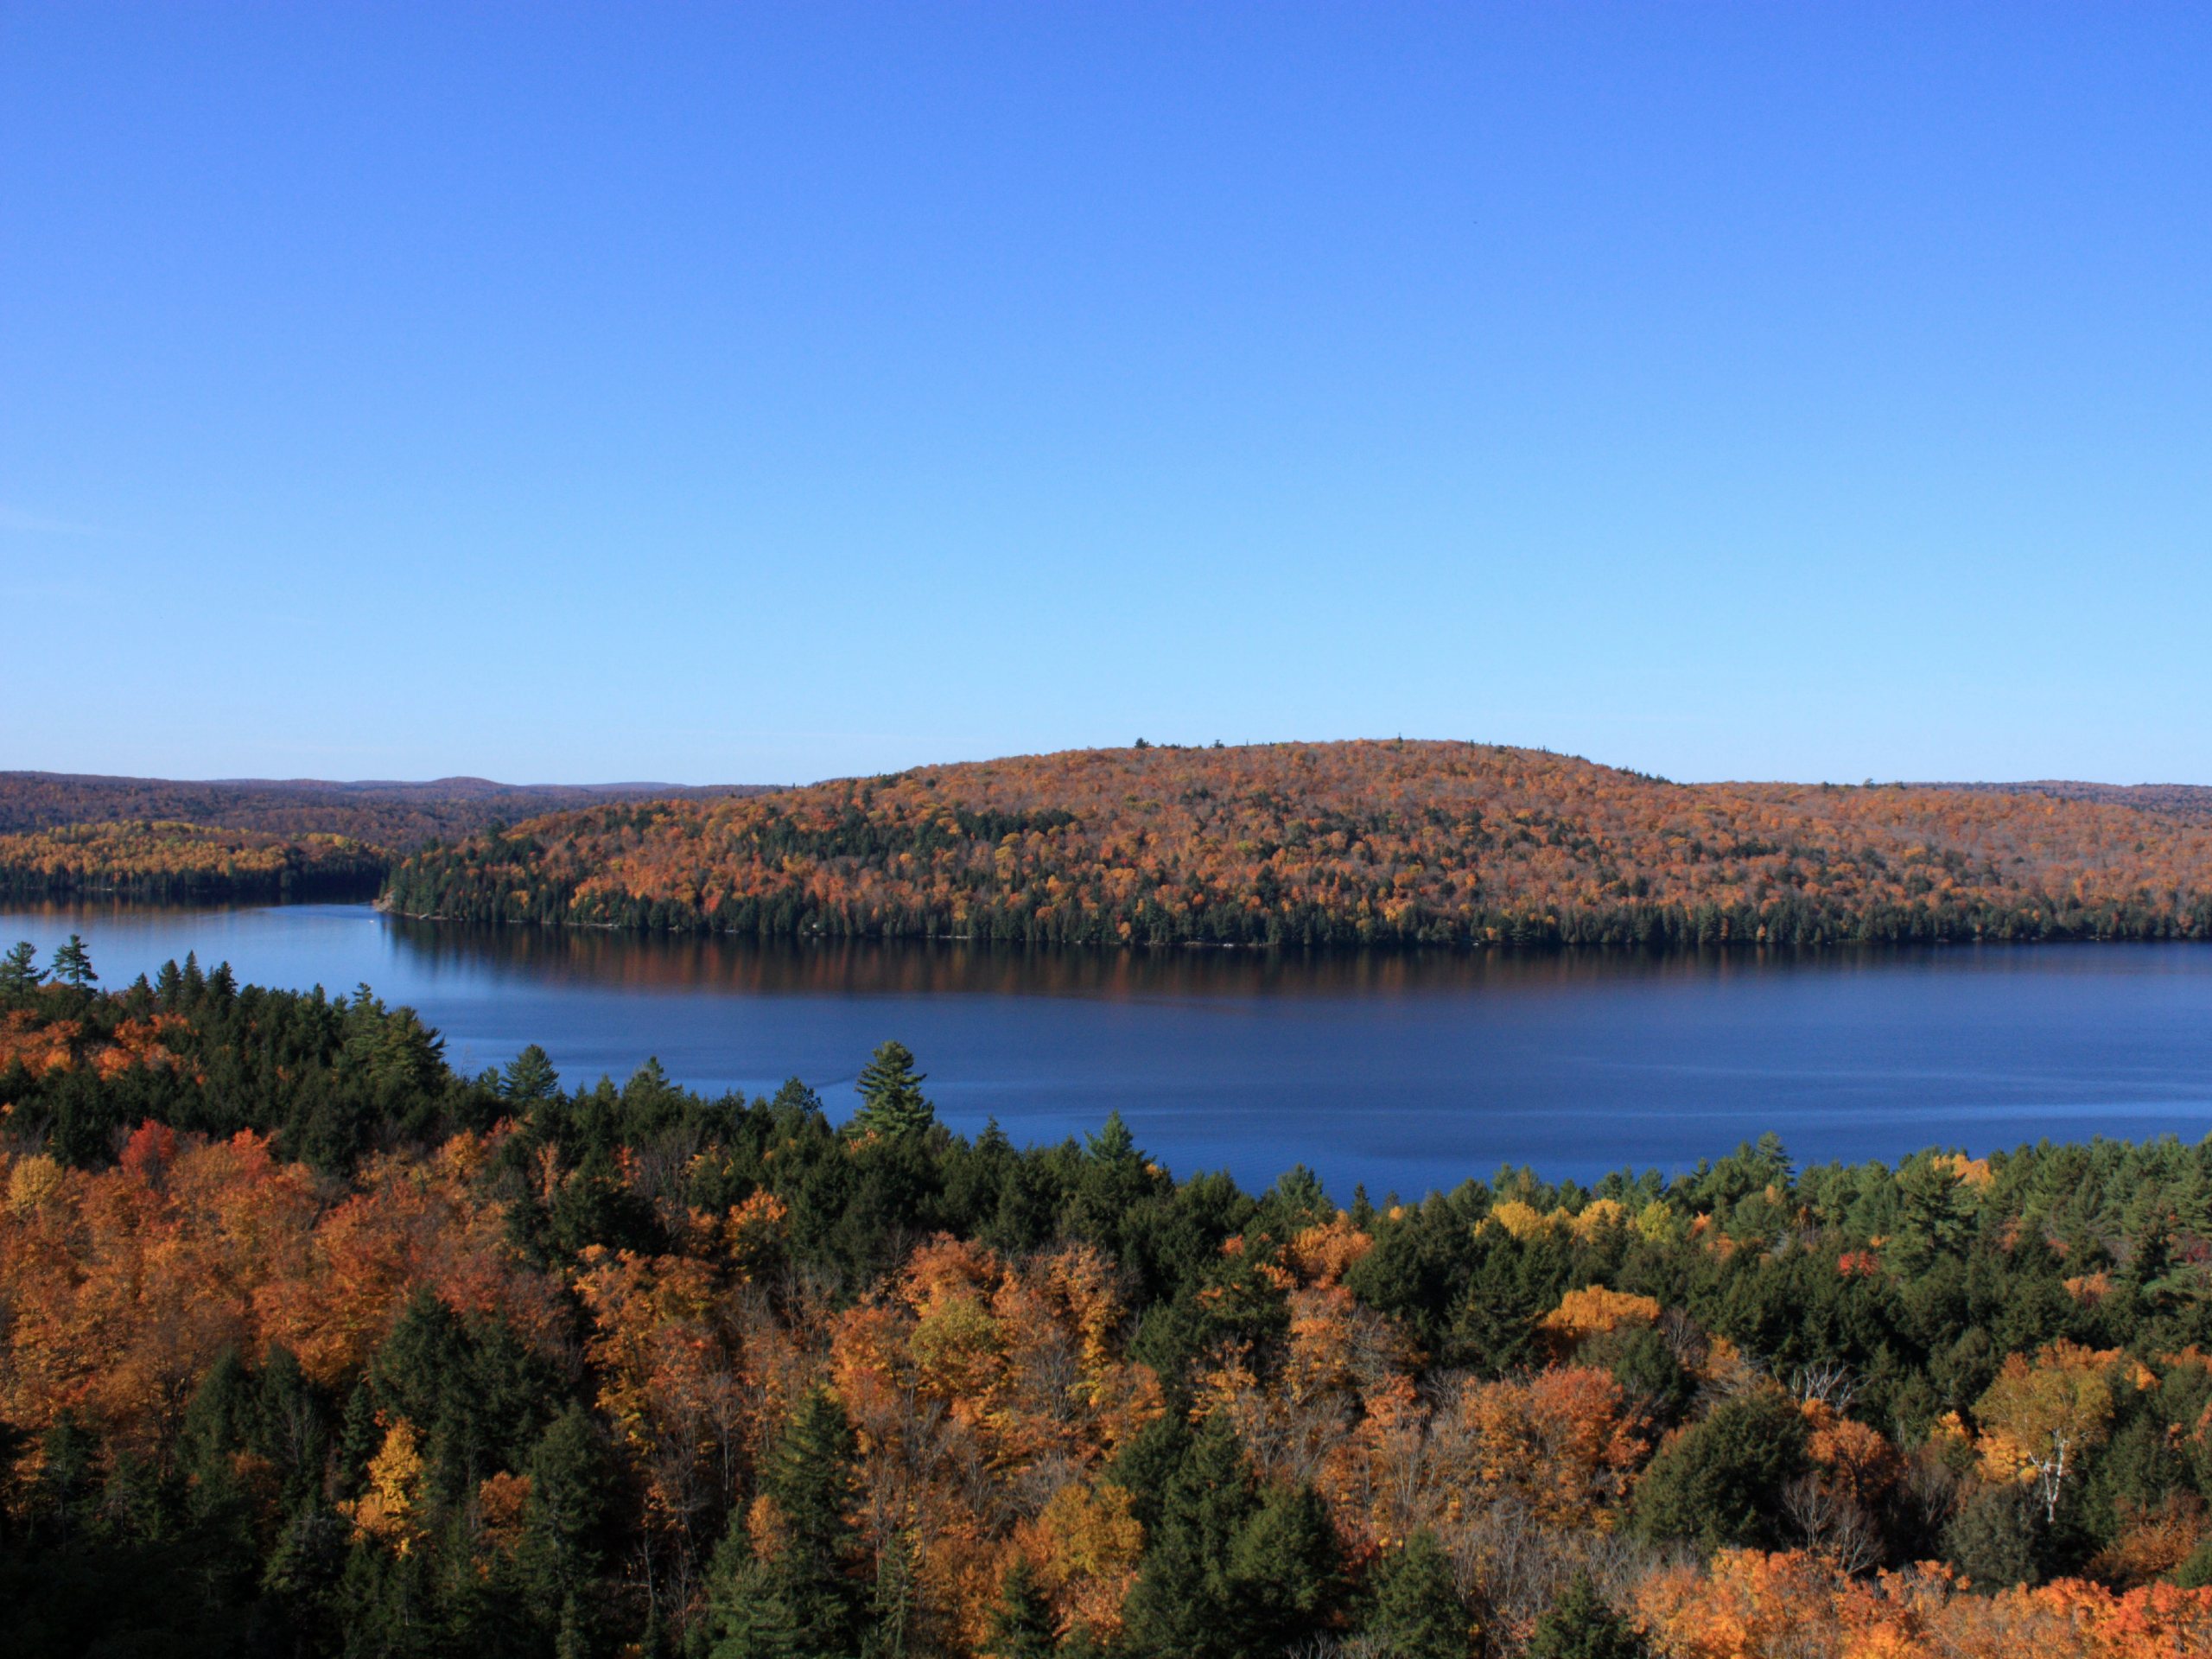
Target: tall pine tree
{"type": "Point", "coordinates": [19, 970]}
{"type": "Point", "coordinates": [1022, 1626]}
{"type": "Point", "coordinates": [1417, 1613]}
{"type": "Point", "coordinates": [1581, 1625]}
{"type": "Point", "coordinates": [1231, 1572]}
{"type": "Point", "coordinates": [73, 964]}
{"type": "Point", "coordinates": [802, 1595]}
{"type": "Point", "coordinates": [892, 1103]}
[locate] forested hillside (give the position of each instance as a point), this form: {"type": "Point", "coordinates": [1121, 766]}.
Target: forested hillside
{"type": "Point", "coordinates": [392, 816]}
{"type": "Point", "coordinates": [2176, 800]}
{"type": "Point", "coordinates": [310, 1346]}
{"type": "Point", "coordinates": [1377, 843]}
{"type": "Point", "coordinates": [152, 839]}
{"type": "Point", "coordinates": [169, 863]}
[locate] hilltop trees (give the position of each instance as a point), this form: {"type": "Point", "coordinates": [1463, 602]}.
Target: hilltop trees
{"type": "Point", "coordinates": [379, 815]}
{"type": "Point", "coordinates": [314, 1347]}
{"type": "Point", "coordinates": [1350, 844]}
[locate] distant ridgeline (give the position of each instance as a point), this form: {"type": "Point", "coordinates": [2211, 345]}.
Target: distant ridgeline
{"type": "Point", "coordinates": [168, 861]}
{"type": "Point", "coordinates": [160, 840]}
{"type": "Point", "coordinates": [1341, 843]}
{"type": "Point", "coordinates": [399, 815]}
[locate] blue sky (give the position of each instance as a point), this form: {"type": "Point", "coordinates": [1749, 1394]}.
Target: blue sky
{"type": "Point", "coordinates": [769, 392]}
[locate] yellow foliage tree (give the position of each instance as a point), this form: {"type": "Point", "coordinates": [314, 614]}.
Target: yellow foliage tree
{"type": "Point", "coordinates": [388, 1510]}
{"type": "Point", "coordinates": [2038, 1417]}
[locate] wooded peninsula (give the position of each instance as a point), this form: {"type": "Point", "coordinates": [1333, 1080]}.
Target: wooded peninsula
{"type": "Point", "coordinates": [310, 1345]}
{"type": "Point", "coordinates": [166, 863]}
{"type": "Point", "coordinates": [1365, 843]}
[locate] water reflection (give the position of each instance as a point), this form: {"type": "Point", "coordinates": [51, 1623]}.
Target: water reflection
{"type": "Point", "coordinates": [721, 964]}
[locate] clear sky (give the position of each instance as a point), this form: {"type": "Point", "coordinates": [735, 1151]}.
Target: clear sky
{"type": "Point", "coordinates": [711, 393]}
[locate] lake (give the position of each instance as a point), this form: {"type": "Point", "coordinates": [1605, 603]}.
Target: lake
{"type": "Point", "coordinates": [1404, 1071]}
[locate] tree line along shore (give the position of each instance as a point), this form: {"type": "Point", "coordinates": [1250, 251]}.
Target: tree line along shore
{"type": "Point", "coordinates": [1383, 843]}
{"type": "Point", "coordinates": [1360, 844]}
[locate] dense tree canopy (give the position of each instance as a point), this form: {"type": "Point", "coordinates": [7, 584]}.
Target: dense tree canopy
{"type": "Point", "coordinates": [152, 839]}
{"type": "Point", "coordinates": [1341, 843]}
{"type": "Point", "coordinates": [391, 814]}
{"type": "Point", "coordinates": [167, 860]}
{"type": "Point", "coordinates": [309, 1345]}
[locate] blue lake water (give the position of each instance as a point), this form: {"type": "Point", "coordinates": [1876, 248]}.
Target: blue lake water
{"type": "Point", "coordinates": [1402, 1071]}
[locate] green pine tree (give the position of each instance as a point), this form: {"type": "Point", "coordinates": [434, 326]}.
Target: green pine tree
{"type": "Point", "coordinates": [1417, 1612]}
{"type": "Point", "coordinates": [291, 1433]}
{"type": "Point", "coordinates": [2195, 1573]}
{"type": "Point", "coordinates": [530, 1078]}
{"type": "Point", "coordinates": [805, 1600]}
{"type": "Point", "coordinates": [1113, 1143]}
{"type": "Point", "coordinates": [1721, 1483]}
{"type": "Point", "coordinates": [746, 1608]}
{"type": "Point", "coordinates": [572, 1636]}
{"type": "Point", "coordinates": [386, 1605]}
{"type": "Point", "coordinates": [1285, 1580]}
{"type": "Point", "coordinates": [19, 970]}
{"type": "Point", "coordinates": [894, 1608]}
{"type": "Point", "coordinates": [73, 964]}
{"type": "Point", "coordinates": [300, 1579]}
{"type": "Point", "coordinates": [1022, 1625]}
{"type": "Point", "coordinates": [570, 1496]}
{"type": "Point", "coordinates": [1179, 1607]}
{"type": "Point", "coordinates": [217, 1424]}
{"type": "Point", "coordinates": [892, 1103]}
{"type": "Point", "coordinates": [1231, 1572]}
{"type": "Point", "coordinates": [1581, 1625]}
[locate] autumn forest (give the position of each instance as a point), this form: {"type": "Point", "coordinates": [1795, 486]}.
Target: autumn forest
{"type": "Point", "coordinates": [916, 1189]}
{"type": "Point", "coordinates": [154, 840]}
{"type": "Point", "coordinates": [1363, 843]}
{"type": "Point", "coordinates": [311, 1345]}
{"type": "Point", "coordinates": [1371, 844]}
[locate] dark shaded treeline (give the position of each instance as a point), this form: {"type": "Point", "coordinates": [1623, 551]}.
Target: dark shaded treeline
{"type": "Point", "coordinates": [313, 1345]}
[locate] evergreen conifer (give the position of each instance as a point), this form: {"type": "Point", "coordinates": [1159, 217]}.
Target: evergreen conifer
{"type": "Point", "coordinates": [530, 1078]}
{"type": "Point", "coordinates": [805, 1601]}
{"type": "Point", "coordinates": [1581, 1625]}
{"type": "Point", "coordinates": [1022, 1626]}
{"type": "Point", "coordinates": [892, 1103]}
{"type": "Point", "coordinates": [1417, 1612]}
{"type": "Point", "coordinates": [73, 964]}
{"type": "Point", "coordinates": [19, 969]}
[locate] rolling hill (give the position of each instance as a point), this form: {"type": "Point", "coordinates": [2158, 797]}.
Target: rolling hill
{"type": "Point", "coordinates": [393, 815]}
{"type": "Point", "coordinates": [1358, 842]}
